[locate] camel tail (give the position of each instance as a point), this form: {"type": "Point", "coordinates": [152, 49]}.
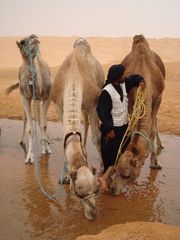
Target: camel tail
{"type": "Point", "coordinates": [12, 88]}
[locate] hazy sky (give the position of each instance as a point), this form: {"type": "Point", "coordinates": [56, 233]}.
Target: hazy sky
{"type": "Point", "coordinates": [153, 18]}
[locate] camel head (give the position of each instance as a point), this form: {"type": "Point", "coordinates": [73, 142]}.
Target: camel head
{"type": "Point", "coordinates": [84, 183]}
{"type": "Point", "coordinates": [139, 41]}
{"type": "Point", "coordinates": [29, 45]}
{"type": "Point", "coordinates": [85, 187]}
{"type": "Point", "coordinates": [82, 43]}
{"type": "Point", "coordinates": [128, 167]}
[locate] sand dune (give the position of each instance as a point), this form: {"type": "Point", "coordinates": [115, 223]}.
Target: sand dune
{"type": "Point", "coordinates": [107, 50]}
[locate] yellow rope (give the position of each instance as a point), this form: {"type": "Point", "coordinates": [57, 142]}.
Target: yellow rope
{"type": "Point", "coordinates": [139, 111]}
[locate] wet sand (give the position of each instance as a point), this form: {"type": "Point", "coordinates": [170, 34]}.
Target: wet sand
{"type": "Point", "coordinates": [25, 213]}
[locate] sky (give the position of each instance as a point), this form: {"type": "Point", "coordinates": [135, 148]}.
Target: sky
{"type": "Point", "coordinates": [111, 18]}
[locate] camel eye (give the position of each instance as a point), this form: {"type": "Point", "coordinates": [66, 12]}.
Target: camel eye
{"type": "Point", "coordinates": [22, 42]}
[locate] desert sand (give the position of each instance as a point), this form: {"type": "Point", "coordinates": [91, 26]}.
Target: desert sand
{"type": "Point", "coordinates": [108, 51]}
{"type": "Point", "coordinates": [136, 231]}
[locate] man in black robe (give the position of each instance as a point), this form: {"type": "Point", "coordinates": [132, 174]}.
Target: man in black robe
{"type": "Point", "coordinates": [112, 109]}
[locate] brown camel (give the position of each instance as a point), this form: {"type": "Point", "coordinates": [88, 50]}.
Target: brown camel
{"type": "Point", "coordinates": [42, 89]}
{"type": "Point", "coordinates": [141, 60]}
{"type": "Point", "coordinates": [76, 89]}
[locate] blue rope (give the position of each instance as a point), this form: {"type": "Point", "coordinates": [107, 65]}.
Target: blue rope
{"type": "Point", "coordinates": [37, 161]}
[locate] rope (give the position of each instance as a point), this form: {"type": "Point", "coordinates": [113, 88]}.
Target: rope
{"type": "Point", "coordinates": [139, 111]}
{"type": "Point", "coordinates": [143, 135]}
{"type": "Point", "coordinates": [37, 162]}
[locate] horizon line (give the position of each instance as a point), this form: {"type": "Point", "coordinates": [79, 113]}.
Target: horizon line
{"type": "Point", "coordinates": [92, 36]}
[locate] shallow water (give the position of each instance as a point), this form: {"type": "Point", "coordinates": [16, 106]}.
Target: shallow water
{"type": "Point", "coordinates": [25, 213]}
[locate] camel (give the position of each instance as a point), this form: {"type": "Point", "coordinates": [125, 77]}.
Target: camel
{"type": "Point", "coordinates": [75, 90]}
{"type": "Point", "coordinates": [141, 60]}
{"type": "Point", "coordinates": [42, 91]}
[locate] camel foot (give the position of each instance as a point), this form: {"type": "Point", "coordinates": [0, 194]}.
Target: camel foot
{"type": "Point", "coordinates": [155, 165]}
{"type": "Point", "coordinates": [46, 150]}
{"type": "Point", "coordinates": [29, 158]}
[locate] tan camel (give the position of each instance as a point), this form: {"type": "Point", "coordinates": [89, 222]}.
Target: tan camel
{"type": "Point", "coordinates": [147, 63]}
{"type": "Point", "coordinates": [42, 89]}
{"type": "Point", "coordinates": [76, 88]}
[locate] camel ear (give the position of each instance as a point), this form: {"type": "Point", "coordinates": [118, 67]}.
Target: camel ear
{"type": "Point", "coordinates": [73, 175]}
{"type": "Point", "coordinates": [93, 169]}
{"type": "Point", "coordinates": [18, 44]}
{"type": "Point", "coordinates": [133, 162]}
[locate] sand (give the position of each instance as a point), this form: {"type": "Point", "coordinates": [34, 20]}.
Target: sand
{"type": "Point", "coordinates": [137, 231]}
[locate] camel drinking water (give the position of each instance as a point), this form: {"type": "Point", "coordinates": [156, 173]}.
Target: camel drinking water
{"type": "Point", "coordinates": [29, 49]}
{"type": "Point", "coordinates": [141, 60]}
{"type": "Point", "coordinates": [76, 89]}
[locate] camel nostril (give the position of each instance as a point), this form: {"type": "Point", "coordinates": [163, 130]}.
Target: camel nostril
{"type": "Point", "coordinates": [93, 213]}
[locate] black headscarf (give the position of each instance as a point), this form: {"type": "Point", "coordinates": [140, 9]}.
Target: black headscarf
{"type": "Point", "coordinates": [114, 73]}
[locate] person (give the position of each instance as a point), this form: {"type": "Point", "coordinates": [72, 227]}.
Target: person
{"type": "Point", "coordinates": [112, 109]}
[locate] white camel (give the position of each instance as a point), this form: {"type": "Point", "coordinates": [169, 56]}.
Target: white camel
{"type": "Point", "coordinates": [76, 89]}
{"type": "Point", "coordinates": [30, 46]}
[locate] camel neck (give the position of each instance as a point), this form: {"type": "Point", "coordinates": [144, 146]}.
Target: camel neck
{"type": "Point", "coordinates": [27, 67]}
{"type": "Point", "coordinates": [72, 104]}
{"type": "Point", "coordinates": [74, 154]}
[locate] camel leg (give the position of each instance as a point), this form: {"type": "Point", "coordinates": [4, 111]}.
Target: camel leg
{"type": "Point", "coordinates": [22, 141]}
{"type": "Point", "coordinates": [159, 144]}
{"type": "Point", "coordinates": [38, 113]}
{"type": "Point", "coordinates": [86, 127]}
{"type": "Point", "coordinates": [59, 112]}
{"type": "Point", "coordinates": [94, 123]}
{"type": "Point", "coordinates": [45, 143]}
{"type": "Point", "coordinates": [27, 109]}
{"type": "Point", "coordinates": [154, 160]}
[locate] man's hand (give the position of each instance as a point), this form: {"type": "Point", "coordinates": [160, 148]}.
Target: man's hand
{"type": "Point", "coordinates": [102, 184]}
{"type": "Point", "coordinates": [111, 134]}
{"type": "Point", "coordinates": [142, 85]}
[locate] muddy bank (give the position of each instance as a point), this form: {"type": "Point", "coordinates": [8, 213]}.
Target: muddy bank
{"type": "Point", "coordinates": [137, 231]}
{"type": "Point", "coordinates": [27, 214]}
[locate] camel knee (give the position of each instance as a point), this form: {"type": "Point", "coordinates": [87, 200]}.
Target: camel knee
{"type": "Point", "coordinates": [30, 132]}
{"type": "Point", "coordinates": [44, 128]}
